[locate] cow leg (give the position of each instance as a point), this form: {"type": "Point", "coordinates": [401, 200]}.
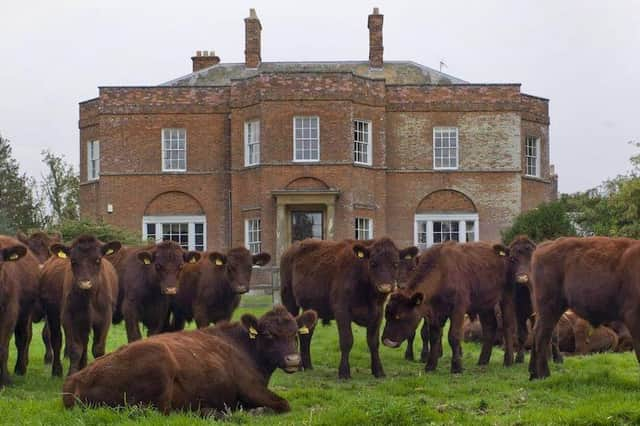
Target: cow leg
{"type": "Point", "coordinates": [555, 347]}
{"type": "Point", "coordinates": [100, 331]}
{"type": "Point", "coordinates": [201, 317]}
{"type": "Point", "coordinates": [131, 322]}
{"type": "Point", "coordinates": [508, 327]}
{"type": "Point", "coordinates": [435, 340]}
{"type": "Point", "coordinates": [53, 324]}
{"type": "Point", "coordinates": [305, 349]}
{"type": "Point", "coordinates": [632, 321]}
{"type": "Point", "coordinates": [548, 317]}
{"type": "Point", "coordinates": [77, 331]}
{"type": "Point", "coordinates": [6, 328]}
{"type": "Point", "coordinates": [23, 339]}
{"type": "Point", "coordinates": [455, 340]}
{"type": "Point", "coordinates": [424, 334]}
{"type": "Point", "coordinates": [345, 336]}
{"type": "Point", "coordinates": [489, 325]}
{"type": "Point", "coordinates": [522, 334]}
{"type": "Point", "coordinates": [253, 394]}
{"type": "Point", "coordinates": [46, 341]}
{"type": "Point", "coordinates": [408, 353]}
{"type": "Point", "coordinates": [373, 341]}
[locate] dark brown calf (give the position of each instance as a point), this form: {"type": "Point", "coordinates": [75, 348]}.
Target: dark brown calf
{"type": "Point", "coordinates": [347, 281]}
{"type": "Point", "coordinates": [18, 290]}
{"type": "Point", "coordinates": [150, 279]}
{"type": "Point", "coordinates": [596, 277]}
{"type": "Point", "coordinates": [210, 290]}
{"type": "Point", "coordinates": [577, 337]}
{"type": "Point", "coordinates": [78, 289]}
{"type": "Point", "coordinates": [207, 370]}
{"type": "Point", "coordinates": [458, 279]}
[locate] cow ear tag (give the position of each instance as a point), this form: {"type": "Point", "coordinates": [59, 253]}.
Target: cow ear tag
{"type": "Point", "coordinates": [219, 262]}
{"type": "Point", "coordinates": [14, 256]}
{"type": "Point", "coordinates": [252, 333]}
{"type": "Point", "coordinates": [109, 251]}
{"type": "Point", "coordinates": [408, 257]}
{"type": "Point", "coordinates": [502, 253]}
{"type": "Point", "coordinates": [303, 330]}
{"type": "Point", "coordinates": [360, 255]}
{"type": "Point", "coordinates": [193, 260]}
{"type": "Point", "coordinates": [62, 255]}
{"type": "Point", "coordinates": [147, 261]}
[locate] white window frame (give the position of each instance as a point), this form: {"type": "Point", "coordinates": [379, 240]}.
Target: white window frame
{"type": "Point", "coordinates": [247, 233]}
{"type": "Point", "coordinates": [93, 169]}
{"type": "Point", "coordinates": [255, 126]}
{"type": "Point", "coordinates": [461, 218]}
{"type": "Point", "coordinates": [440, 129]}
{"type": "Point", "coordinates": [369, 228]}
{"type": "Point", "coordinates": [190, 220]}
{"type": "Point", "coordinates": [164, 169]}
{"type": "Point", "coordinates": [296, 160]}
{"type": "Point", "coordinates": [527, 156]}
{"type": "Point", "coordinates": [369, 142]}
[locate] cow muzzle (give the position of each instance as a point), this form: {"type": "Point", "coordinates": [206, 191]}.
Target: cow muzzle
{"type": "Point", "coordinates": [291, 363]}
{"type": "Point", "coordinates": [385, 288]}
{"type": "Point", "coordinates": [390, 343]}
{"type": "Point", "coordinates": [522, 278]}
{"type": "Point", "coordinates": [170, 291]}
{"type": "Point", "coordinates": [241, 289]}
{"type": "Point", "coordinates": [85, 285]}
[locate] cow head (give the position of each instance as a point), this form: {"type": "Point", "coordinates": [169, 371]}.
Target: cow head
{"type": "Point", "coordinates": [85, 255]}
{"type": "Point", "coordinates": [381, 258]}
{"type": "Point", "coordinates": [402, 315]}
{"type": "Point", "coordinates": [519, 255]}
{"type": "Point", "coordinates": [237, 266]}
{"type": "Point", "coordinates": [408, 262]}
{"type": "Point", "coordinates": [164, 262]}
{"type": "Point", "coordinates": [39, 243]}
{"type": "Point", "coordinates": [276, 337]}
{"type": "Point", "coordinates": [11, 253]}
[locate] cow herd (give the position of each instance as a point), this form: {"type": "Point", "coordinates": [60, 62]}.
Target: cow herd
{"type": "Point", "coordinates": [575, 295]}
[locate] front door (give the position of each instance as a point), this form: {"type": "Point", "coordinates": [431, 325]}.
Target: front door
{"type": "Point", "coordinates": [306, 225]}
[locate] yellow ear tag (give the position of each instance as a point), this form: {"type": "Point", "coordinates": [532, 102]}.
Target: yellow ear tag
{"type": "Point", "coordinates": [62, 255]}
{"type": "Point", "coordinates": [193, 260]}
{"type": "Point", "coordinates": [502, 253]}
{"type": "Point", "coordinates": [147, 261]}
{"type": "Point", "coordinates": [408, 257]}
{"type": "Point", "coordinates": [219, 262]}
{"type": "Point", "coordinates": [303, 330]}
{"type": "Point", "coordinates": [360, 254]}
{"type": "Point", "coordinates": [14, 256]}
{"type": "Point", "coordinates": [110, 251]}
{"type": "Point", "coordinates": [252, 333]}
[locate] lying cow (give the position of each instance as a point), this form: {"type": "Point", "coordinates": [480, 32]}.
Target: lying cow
{"type": "Point", "coordinates": [210, 290]}
{"type": "Point", "coordinates": [79, 289]}
{"type": "Point", "coordinates": [596, 277]}
{"type": "Point", "coordinates": [18, 292]}
{"type": "Point", "coordinates": [207, 370]}
{"type": "Point", "coordinates": [343, 280]}
{"type": "Point", "coordinates": [577, 337]}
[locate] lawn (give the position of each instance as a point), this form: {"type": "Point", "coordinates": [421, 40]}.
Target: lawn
{"type": "Point", "coordinates": [600, 389]}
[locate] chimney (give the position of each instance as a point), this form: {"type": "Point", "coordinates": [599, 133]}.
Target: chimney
{"type": "Point", "coordinates": [252, 29]}
{"type": "Point", "coordinates": [375, 39]}
{"type": "Point", "coordinates": [204, 59]}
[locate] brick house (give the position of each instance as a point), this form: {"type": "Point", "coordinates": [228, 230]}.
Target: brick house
{"type": "Point", "coordinates": [264, 153]}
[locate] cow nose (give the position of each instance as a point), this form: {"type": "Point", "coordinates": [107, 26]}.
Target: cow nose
{"type": "Point", "coordinates": [171, 290]}
{"type": "Point", "coordinates": [41, 265]}
{"type": "Point", "coordinates": [241, 289]}
{"type": "Point", "coordinates": [292, 360]}
{"type": "Point", "coordinates": [522, 278]}
{"type": "Point", "coordinates": [385, 288]}
{"type": "Point", "coordinates": [85, 284]}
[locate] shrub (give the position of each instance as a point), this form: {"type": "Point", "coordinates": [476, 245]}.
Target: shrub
{"type": "Point", "coordinates": [70, 229]}
{"type": "Point", "coordinates": [546, 222]}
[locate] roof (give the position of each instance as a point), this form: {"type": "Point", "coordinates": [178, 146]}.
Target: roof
{"type": "Point", "coordinates": [394, 72]}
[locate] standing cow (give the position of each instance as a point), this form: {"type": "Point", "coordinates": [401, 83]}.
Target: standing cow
{"type": "Point", "coordinates": [18, 292]}
{"type": "Point", "coordinates": [347, 281]}
{"type": "Point", "coordinates": [210, 290]}
{"type": "Point", "coordinates": [596, 277]}
{"type": "Point", "coordinates": [150, 279]}
{"type": "Point", "coordinates": [79, 288]}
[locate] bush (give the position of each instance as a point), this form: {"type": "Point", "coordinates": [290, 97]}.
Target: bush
{"type": "Point", "coordinates": [546, 222]}
{"type": "Point", "coordinates": [70, 229]}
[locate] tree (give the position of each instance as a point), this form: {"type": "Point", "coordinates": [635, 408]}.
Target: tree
{"type": "Point", "coordinates": [19, 208]}
{"type": "Point", "coordinates": [547, 221]}
{"type": "Point", "coordinates": [61, 187]}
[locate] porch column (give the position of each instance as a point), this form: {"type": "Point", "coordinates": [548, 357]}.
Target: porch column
{"type": "Point", "coordinates": [281, 231]}
{"type": "Point", "coordinates": [331, 214]}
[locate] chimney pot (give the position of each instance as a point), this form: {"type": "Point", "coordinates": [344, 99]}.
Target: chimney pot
{"type": "Point", "coordinates": [376, 49]}
{"type": "Point", "coordinates": [204, 59]}
{"type": "Point", "coordinates": [252, 48]}
{"type": "Point", "coordinates": [376, 11]}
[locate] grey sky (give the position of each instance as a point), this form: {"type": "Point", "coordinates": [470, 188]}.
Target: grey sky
{"type": "Point", "coordinates": [583, 55]}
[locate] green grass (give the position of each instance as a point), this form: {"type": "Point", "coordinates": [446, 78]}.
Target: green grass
{"type": "Point", "coordinates": [600, 389]}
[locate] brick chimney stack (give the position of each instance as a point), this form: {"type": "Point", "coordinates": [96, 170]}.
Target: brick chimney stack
{"type": "Point", "coordinates": [252, 32]}
{"type": "Point", "coordinates": [204, 59]}
{"type": "Point", "coordinates": [375, 39]}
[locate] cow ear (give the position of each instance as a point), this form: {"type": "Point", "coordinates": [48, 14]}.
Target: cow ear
{"type": "Point", "coordinates": [217, 259]}
{"type": "Point", "coordinates": [13, 253]}
{"type": "Point", "coordinates": [22, 237]}
{"type": "Point", "coordinates": [501, 250]}
{"type": "Point", "coordinates": [250, 323]}
{"type": "Point", "coordinates": [416, 299]}
{"type": "Point", "coordinates": [191, 257]}
{"type": "Point", "coordinates": [111, 248]}
{"type": "Point", "coordinates": [60, 250]}
{"type": "Point", "coordinates": [306, 321]}
{"type": "Point", "coordinates": [261, 259]}
{"type": "Point", "coordinates": [360, 251]}
{"type": "Point", "coordinates": [409, 252]}
{"type": "Point", "coordinates": [145, 257]}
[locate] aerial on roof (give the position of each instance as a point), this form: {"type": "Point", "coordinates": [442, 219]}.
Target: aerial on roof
{"type": "Point", "coordinates": [394, 72]}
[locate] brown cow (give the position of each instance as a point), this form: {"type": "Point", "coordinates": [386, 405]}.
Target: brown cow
{"type": "Point", "coordinates": [577, 337]}
{"type": "Point", "coordinates": [210, 290]}
{"type": "Point", "coordinates": [596, 277]}
{"type": "Point", "coordinates": [346, 281]}
{"type": "Point", "coordinates": [150, 279]}
{"type": "Point", "coordinates": [78, 289]}
{"type": "Point", "coordinates": [456, 279]}
{"type": "Point", "coordinates": [207, 370]}
{"type": "Point", "coordinates": [18, 291]}
{"type": "Point", "coordinates": [39, 242]}
{"type": "Point", "coordinates": [625, 342]}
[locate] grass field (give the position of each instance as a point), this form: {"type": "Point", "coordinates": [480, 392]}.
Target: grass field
{"type": "Point", "coordinates": [600, 389]}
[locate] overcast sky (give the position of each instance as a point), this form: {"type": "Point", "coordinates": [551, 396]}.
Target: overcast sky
{"type": "Point", "coordinates": [582, 55]}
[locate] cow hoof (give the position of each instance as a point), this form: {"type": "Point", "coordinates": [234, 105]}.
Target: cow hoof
{"type": "Point", "coordinates": [56, 371]}
{"type": "Point", "coordinates": [48, 359]}
{"type": "Point", "coordinates": [20, 370]}
{"type": "Point", "coordinates": [429, 367]}
{"type": "Point", "coordinates": [379, 374]}
{"type": "Point", "coordinates": [344, 376]}
{"type": "Point", "coordinates": [519, 358]}
{"type": "Point", "coordinates": [409, 357]}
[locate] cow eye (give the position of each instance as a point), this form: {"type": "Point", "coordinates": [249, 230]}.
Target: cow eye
{"type": "Point", "coordinates": [373, 264]}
